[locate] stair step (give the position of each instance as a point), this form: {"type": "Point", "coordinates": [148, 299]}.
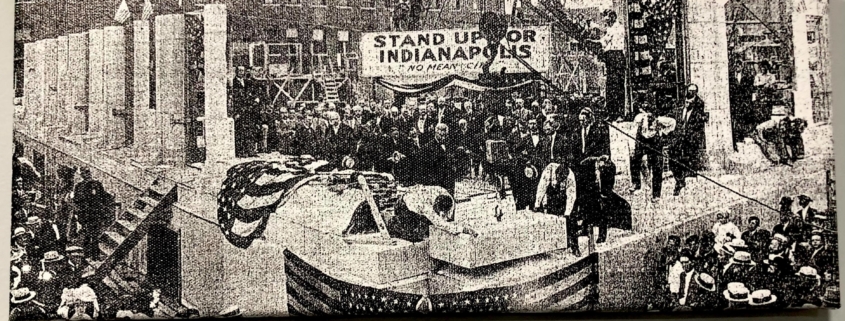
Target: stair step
{"type": "Point", "coordinates": [160, 188]}
{"type": "Point", "coordinates": [126, 226]}
{"type": "Point", "coordinates": [138, 214]}
{"type": "Point", "coordinates": [111, 240]}
{"type": "Point", "coordinates": [149, 203]}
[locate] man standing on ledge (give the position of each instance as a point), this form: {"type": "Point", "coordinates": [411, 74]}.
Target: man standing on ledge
{"type": "Point", "coordinates": [613, 56]}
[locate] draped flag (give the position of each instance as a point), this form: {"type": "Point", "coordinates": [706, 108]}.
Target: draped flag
{"type": "Point", "coordinates": [122, 14]}
{"type": "Point", "coordinates": [311, 292]}
{"type": "Point", "coordinates": [147, 12]}
{"type": "Point", "coordinates": [250, 193]}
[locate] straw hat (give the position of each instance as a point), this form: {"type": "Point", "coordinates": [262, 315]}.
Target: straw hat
{"type": "Point", "coordinates": [736, 292]}
{"type": "Point", "coordinates": [809, 273]}
{"type": "Point", "coordinates": [706, 282]}
{"type": "Point", "coordinates": [22, 295]}
{"type": "Point", "coordinates": [33, 220]}
{"type": "Point", "coordinates": [348, 162]}
{"type": "Point", "coordinates": [762, 297]}
{"type": "Point", "coordinates": [20, 231]}
{"type": "Point", "coordinates": [530, 171]}
{"type": "Point", "coordinates": [742, 258]}
{"type": "Point", "coordinates": [75, 251]}
{"type": "Point", "coordinates": [52, 256]}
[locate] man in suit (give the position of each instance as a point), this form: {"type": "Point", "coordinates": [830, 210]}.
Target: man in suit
{"type": "Point", "coordinates": [597, 202]}
{"type": "Point", "coordinates": [423, 123]}
{"type": "Point", "coordinates": [246, 111]}
{"type": "Point", "coordinates": [338, 139]}
{"type": "Point", "coordinates": [652, 136]}
{"type": "Point", "coordinates": [806, 213]}
{"type": "Point", "coordinates": [446, 113]}
{"type": "Point", "coordinates": [436, 162]}
{"type": "Point", "coordinates": [821, 257]}
{"type": "Point", "coordinates": [757, 239]}
{"type": "Point", "coordinates": [554, 148]}
{"type": "Point", "coordinates": [681, 278]}
{"type": "Point", "coordinates": [790, 228]}
{"type": "Point", "coordinates": [466, 145]}
{"type": "Point", "coordinates": [308, 136]}
{"type": "Point", "coordinates": [590, 139]}
{"type": "Point", "coordinates": [689, 138]}
{"type": "Point", "coordinates": [93, 206]}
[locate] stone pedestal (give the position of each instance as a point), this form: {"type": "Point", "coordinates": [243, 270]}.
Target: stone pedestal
{"type": "Point", "coordinates": [801, 92]}
{"type": "Point", "coordinates": [708, 67]}
{"type": "Point", "coordinates": [49, 87]}
{"type": "Point", "coordinates": [219, 128]}
{"type": "Point", "coordinates": [63, 89]}
{"type": "Point", "coordinates": [114, 86]}
{"type": "Point", "coordinates": [40, 96]}
{"type": "Point", "coordinates": [78, 87]}
{"type": "Point", "coordinates": [147, 141]}
{"type": "Point", "coordinates": [622, 147]}
{"type": "Point", "coordinates": [97, 114]}
{"type": "Point", "coordinates": [171, 97]}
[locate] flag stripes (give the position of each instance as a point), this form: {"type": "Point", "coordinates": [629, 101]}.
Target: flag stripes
{"type": "Point", "coordinates": [312, 292]}
{"type": "Point", "coordinates": [147, 12]}
{"type": "Point", "coordinates": [122, 13]}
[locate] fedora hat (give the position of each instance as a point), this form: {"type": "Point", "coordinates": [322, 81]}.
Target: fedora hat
{"type": "Point", "coordinates": [230, 312]}
{"type": "Point", "coordinates": [742, 257]}
{"type": "Point", "coordinates": [737, 245]}
{"type": "Point", "coordinates": [706, 282]}
{"type": "Point", "coordinates": [22, 295]}
{"type": "Point", "coordinates": [782, 238]}
{"type": "Point", "coordinates": [74, 250]}
{"type": "Point", "coordinates": [530, 171]}
{"type": "Point", "coordinates": [736, 292]}
{"type": "Point", "coordinates": [52, 256]}
{"type": "Point", "coordinates": [831, 295]}
{"type": "Point", "coordinates": [762, 297]}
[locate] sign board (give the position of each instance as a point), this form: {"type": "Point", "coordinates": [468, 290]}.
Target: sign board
{"type": "Point", "coordinates": [451, 52]}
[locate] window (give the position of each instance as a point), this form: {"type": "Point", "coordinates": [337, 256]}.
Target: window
{"type": "Point", "coordinates": [456, 5]}
{"type": "Point", "coordinates": [280, 2]}
{"type": "Point", "coordinates": [369, 4]}
{"type": "Point", "coordinates": [475, 5]}
{"type": "Point", "coordinates": [343, 3]}
{"type": "Point", "coordinates": [319, 3]}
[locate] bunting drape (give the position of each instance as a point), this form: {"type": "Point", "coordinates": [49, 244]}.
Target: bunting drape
{"type": "Point", "coordinates": [454, 80]}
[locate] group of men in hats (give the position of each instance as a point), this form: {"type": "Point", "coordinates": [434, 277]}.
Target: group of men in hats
{"type": "Point", "coordinates": [729, 268]}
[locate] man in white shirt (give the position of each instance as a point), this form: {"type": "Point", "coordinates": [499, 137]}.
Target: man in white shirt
{"type": "Point", "coordinates": [652, 133]}
{"type": "Point", "coordinates": [724, 230]}
{"type": "Point", "coordinates": [613, 56]}
{"type": "Point", "coordinates": [681, 276]}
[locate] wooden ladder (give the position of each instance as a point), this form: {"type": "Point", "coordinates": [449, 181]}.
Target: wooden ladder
{"type": "Point", "coordinates": [151, 207]}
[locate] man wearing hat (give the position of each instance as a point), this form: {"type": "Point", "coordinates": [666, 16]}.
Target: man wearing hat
{"type": "Point", "coordinates": [741, 268]}
{"type": "Point", "coordinates": [24, 307]}
{"type": "Point", "coordinates": [702, 296]}
{"type": "Point", "coordinates": [790, 226]}
{"type": "Point", "coordinates": [46, 235]}
{"type": "Point", "coordinates": [830, 298]}
{"type": "Point", "coordinates": [737, 295]}
{"type": "Point", "coordinates": [805, 212]}
{"type": "Point", "coordinates": [805, 286]}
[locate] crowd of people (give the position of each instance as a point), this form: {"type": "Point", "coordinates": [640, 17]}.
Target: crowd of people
{"type": "Point", "coordinates": [55, 232]}
{"type": "Point", "coordinates": [792, 266]}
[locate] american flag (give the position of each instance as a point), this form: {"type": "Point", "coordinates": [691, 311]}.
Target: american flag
{"type": "Point", "coordinates": [122, 14]}
{"type": "Point", "coordinates": [313, 293]}
{"type": "Point", "coordinates": [147, 12]}
{"type": "Point", "coordinates": [250, 193]}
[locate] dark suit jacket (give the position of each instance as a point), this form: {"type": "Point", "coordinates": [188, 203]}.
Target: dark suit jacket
{"type": "Point", "coordinates": [562, 149]}
{"type": "Point", "coordinates": [339, 144]}
{"type": "Point", "coordinates": [428, 132]}
{"type": "Point", "coordinates": [689, 132]}
{"type": "Point", "coordinates": [597, 143]}
{"type": "Point", "coordinates": [307, 141]}
{"type": "Point", "coordinates": [434, 166]}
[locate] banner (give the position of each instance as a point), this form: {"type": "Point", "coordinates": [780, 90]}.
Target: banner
{"type": "Point", "coordinates": [460, 52]}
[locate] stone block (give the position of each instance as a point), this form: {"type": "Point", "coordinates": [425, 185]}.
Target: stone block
{"type": "Point", "coordinates": [170, 75]}
{"type": "Point", "coordinates": [114, 85]}
{"type": "Point", "coordinates": [63, 86]}
{"type": "Point", "coordinates": [78, 87]}
{"type": "Point", "coordinates": [499, 241]}
{"type": "Point", "coordinates": [97, 115]}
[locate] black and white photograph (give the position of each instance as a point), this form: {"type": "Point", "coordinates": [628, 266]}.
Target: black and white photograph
{"type": "Point", "coordinates": [180, 159]}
